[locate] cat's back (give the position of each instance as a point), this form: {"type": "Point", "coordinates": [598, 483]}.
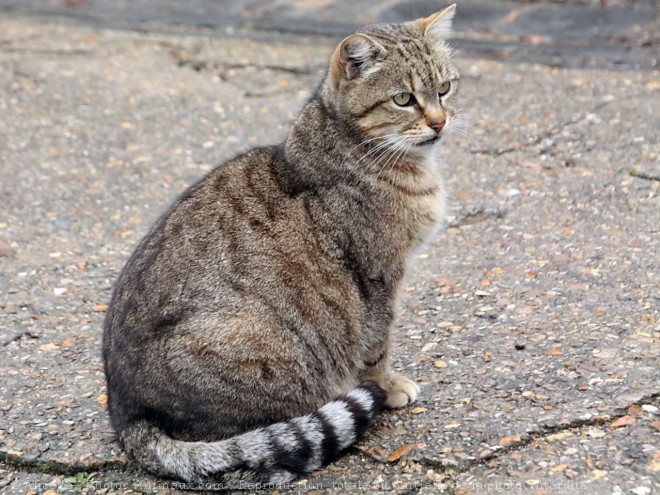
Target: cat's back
{"type": "Point", "coordinates": [239, 235]}
{"type": "Point", "coordinates": [202, 237]}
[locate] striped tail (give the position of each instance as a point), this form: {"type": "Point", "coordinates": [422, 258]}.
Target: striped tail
{"type": "Point", "coordinates": [278, 453]}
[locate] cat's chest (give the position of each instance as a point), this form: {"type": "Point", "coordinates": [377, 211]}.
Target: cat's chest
{"type": "Point", "coordinates": [419, 203]}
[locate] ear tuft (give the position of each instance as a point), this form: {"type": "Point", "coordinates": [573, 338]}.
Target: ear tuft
{"type": "Point", "coordinates": [354, 56]}
{"type": "Point", "coordinates": [437, 26]}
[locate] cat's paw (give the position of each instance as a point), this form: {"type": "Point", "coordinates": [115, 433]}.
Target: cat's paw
{"type": "Point", "coordinates": [402, 391]}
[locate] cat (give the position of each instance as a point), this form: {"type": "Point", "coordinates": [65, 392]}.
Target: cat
{"type": "Point", "coordinates": [248, 336]}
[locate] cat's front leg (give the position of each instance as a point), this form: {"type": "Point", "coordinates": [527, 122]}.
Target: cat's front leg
{"type": "Point", "coordinates": [401, 391]}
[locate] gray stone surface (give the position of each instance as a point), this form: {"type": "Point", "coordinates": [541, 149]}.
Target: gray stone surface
{"type": "Point", "coordinates": [531, 323]}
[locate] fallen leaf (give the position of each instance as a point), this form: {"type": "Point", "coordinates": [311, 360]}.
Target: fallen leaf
{"type": "Point", "coordinates": [100, 308]}
{"type": "Point", "coordinates": [557, 468]}
{"type": "Point", "coordinates": [597, 474]}
{"type": "Point", "coordinates": [511, 16]}
{"type": "Point", "coordinates": [102, 399]}
{"type": "Point", "coordinates": [654, 467]}
{"type": "Point", "coordinates": [589, 462]}
{"type": "Point", "coordinates": [69, 342]}
{"type": "Point", "coordinates": [555, 352]}
{"type": "Point", "coordinates": [488, 357]}
{"type": "Point", "coordinates": [623, 421]}
{"type": "Point", "coordinates": [583, 387]}
{"type": "Point", "coordinates": [498, 55]}
{"type": "Point", "coordinates": [634, 410]}
{"type": "Point", "coordinates": [440, 364]}
{"type": "Point", "coordinates": [48, 347]}
{"type": "Point", "coordinates": [509, 439]}
{"type": "Point", "coordinates": [535, 39]}
{"type": "Point", "coordinates": [656, 425]}
{"type": "Point", "coordinates": [418, 410]}
{"type": "Point", "coordinates": [399, 453]}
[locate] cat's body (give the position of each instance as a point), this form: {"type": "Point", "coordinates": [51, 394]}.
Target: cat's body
{"type": "Point", "coordinates": [269, 288]}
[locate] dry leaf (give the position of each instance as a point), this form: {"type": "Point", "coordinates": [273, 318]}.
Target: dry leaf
{"type": "Point", "coordinates": [100, 308]}
{"type": "Point", "coordinates": [656, 425]}
{"type": "Point", "coordinates": [555, 352]}
{"type": "Point", "coordinates": [589, 462]}
{"type": "Point", "coordinates": [557, 468]}
{"type": "Point", "coordinates": [635, 410]}
{"type": "Point", "coordinates": [623, 421]}
{"type": "Point", "coordinates": [509, 439]}
{"type": "Point", "coordinates": [418, 410]}
{"type": "Point", "coordinates": [69, 342]}
{"type": "Point", "coordinates": [440, 364]}
{"type": "Point", "coordinates": [511, 16]}
{"type": "Point", "coordinates": [399, 453]}
{"type": "Point", "coordinates": [102, 399]}
{"type": "Point", "coordinates": [598, 474]}
{"type": "Point", "coordinates": [535, 39]}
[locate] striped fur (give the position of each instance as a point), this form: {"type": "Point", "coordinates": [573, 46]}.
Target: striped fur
{"type": "Point", "coordinates": [270, 287]}
{"type": "Point", "coordinates": [277, 453]}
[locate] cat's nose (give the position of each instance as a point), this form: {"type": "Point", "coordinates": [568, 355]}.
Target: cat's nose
{"type": "Point", "coordinates": [437, 125]}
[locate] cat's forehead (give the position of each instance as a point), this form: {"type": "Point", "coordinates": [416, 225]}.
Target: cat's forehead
{"type": "Point", "coordinates": [407, 46]}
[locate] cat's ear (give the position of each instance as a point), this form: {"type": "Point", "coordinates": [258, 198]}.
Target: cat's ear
{"type": "Point", "coordinates": [355, 55]}
{"type": "Point", "coordinates": [437, 26]}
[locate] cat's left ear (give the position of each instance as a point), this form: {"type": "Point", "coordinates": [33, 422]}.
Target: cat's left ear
{"type": "Point", "coordinates": [437, 27]}
{"type": "Point", "coordinates": [354, 56]}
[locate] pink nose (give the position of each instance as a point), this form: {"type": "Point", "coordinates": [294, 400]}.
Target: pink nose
{"type": "Point", "coordinates": [438, 125]}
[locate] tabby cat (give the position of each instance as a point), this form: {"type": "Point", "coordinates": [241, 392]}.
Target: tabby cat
{"type": "Point", "coordinates": [248, 336]}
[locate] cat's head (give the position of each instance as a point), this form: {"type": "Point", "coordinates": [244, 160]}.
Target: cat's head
{"type": "Point", "coordinates": [396, 83]}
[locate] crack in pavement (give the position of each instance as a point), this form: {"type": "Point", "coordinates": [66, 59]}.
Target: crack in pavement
{"type": "Point", "coordinates": [452, 472]}
{"type": "Point", "coordinates": [19, 336]}
{"type": "Point", "coordinates": [17, 463]}
{"type": "Point", "coordinates": [551, 132]}
{"type": "Point", "coordinates": [198, 64]}
{"type": "Point", "coordinates": [643, 175]}
{"type": "Point", "coordinates": [477, 215]}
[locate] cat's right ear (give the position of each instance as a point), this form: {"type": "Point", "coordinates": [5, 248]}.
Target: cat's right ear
{"type": "Point", "coordinates": [354, 56]}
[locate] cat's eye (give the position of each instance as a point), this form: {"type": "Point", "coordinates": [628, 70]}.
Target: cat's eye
{"type": "Point", "coordinates": [404, 99]}
{"type": "Point", "coordinates": [444, 88]}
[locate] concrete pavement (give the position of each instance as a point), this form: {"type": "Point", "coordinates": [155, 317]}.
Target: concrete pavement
{"type": "Point", "coordinates": [530, 323]}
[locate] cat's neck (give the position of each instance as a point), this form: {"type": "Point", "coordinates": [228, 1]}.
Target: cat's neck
{"type": "Point", "coordinates": [325, 149]}
{"type": "Point", "coordinates": [396, 204]}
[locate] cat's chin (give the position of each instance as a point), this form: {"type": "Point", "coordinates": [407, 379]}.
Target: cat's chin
{"type": "Point", "coordinates": [429, 142]}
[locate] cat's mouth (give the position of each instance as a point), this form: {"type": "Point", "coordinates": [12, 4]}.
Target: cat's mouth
{"type": "Point", "coordinates": [429, 141]}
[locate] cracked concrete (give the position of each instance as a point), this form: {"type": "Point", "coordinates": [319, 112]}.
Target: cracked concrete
{"type": "Point", "coordinates": [530, 322]}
